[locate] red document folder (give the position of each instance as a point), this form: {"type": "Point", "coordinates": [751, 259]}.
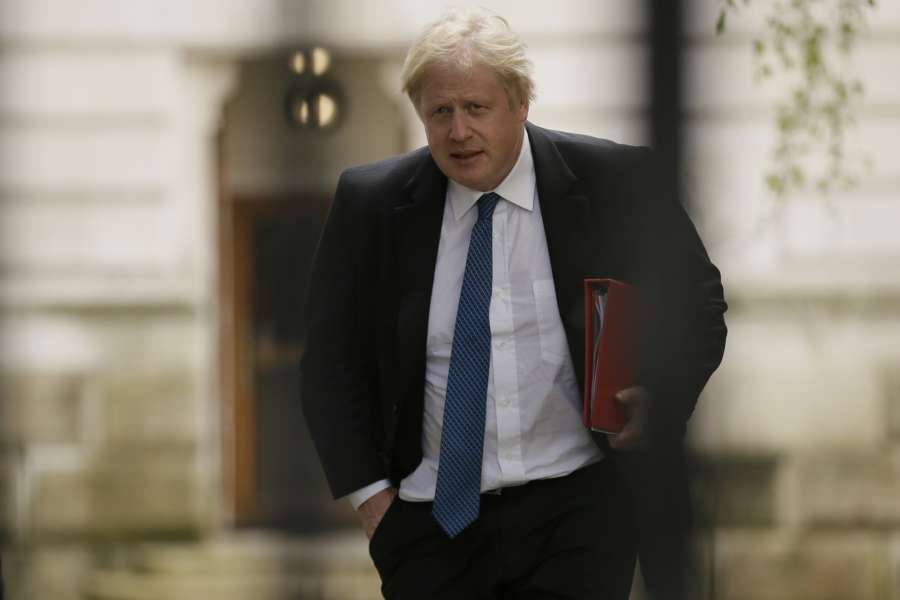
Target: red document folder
{"type": "Point", "coordinates": [610, 351]}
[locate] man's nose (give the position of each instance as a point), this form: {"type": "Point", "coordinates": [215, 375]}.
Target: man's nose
{"type": "Point", "coordinates": [459, 126]}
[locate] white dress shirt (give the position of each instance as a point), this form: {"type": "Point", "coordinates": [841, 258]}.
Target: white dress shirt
{"type": "Point", "coordinates": [533, 427]}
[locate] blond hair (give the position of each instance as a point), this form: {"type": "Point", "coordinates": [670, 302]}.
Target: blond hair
{"type": "Point", "coordinates": [464, 39]}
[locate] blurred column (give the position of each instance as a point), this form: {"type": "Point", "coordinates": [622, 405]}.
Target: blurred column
{"type": "Point", "coordinates": [665, 72]}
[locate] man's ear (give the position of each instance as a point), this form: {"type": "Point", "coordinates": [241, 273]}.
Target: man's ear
{"type": "Point", "coordinates": [523, 111]}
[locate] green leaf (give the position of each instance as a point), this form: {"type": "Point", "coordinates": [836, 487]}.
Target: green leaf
{"type": "Point", "coordinates": [720, 22]}
{"type": "Point", "coordinates": [802, 42]}
{"type": "Point", "coordinates": [775, 183]}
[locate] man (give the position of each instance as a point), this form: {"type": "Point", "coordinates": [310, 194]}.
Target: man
{"type": "Point", "coordinates": [445, 336]}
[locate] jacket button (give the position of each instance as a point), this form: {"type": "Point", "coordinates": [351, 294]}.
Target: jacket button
{"type": "Point", "coordinates": [396, 407]}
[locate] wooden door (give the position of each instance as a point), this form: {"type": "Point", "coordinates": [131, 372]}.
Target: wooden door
{"type": "Point", "coordinates": [267, 250]}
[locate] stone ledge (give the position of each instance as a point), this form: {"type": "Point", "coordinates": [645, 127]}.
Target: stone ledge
{"type": "Point", "coordinates": [259, 551]}
{"type": "Point", "coordinates": [127, 492]}
{"type": "Point", "coordinates": [145, 488]}
{"type": "Point", "coordinates": [95, 290]}
{"type": "Point", "coordinates": [239, 566]}
{"type": "Point", "coordinates": [40, 407]}
{"type": "Point", "coordinates": [149, 407]}
{"type": "Point", "coordinates": [53, 572]}
{"type": "Point", "coordinates": [860, 287]}
{"type": "Point", "coordinates": [779, 565]}
{"type": "Point", "coordinates": [60, 505]}
{"type": "Point", "coordinates": [238, 585]}
{"type": "Point", "coordinates": [849, 489]}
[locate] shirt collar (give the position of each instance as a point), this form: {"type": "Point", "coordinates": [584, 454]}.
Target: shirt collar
{"type": "Point", "coordinates": [517, 187]}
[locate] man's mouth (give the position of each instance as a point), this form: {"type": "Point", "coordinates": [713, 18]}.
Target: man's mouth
{"type": "Point", "coordinates": [466, 155]}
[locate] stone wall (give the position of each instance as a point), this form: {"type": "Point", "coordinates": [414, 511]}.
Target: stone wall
{"type": "Point", "coordinates": [106, 306]}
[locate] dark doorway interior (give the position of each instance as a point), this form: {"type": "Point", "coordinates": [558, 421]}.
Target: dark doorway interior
{"type": "Point", "coordinates": [276, 180]}
{"type": "Point", "coordinates": [289, 484]}
{"type": "Point", "coordinates": [278, 481]}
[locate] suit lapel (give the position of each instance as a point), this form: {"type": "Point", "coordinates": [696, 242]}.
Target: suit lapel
{"type": "Point", "coordinates": [417, 216]}
{"type": "Point", "coordinates": [568, 225]}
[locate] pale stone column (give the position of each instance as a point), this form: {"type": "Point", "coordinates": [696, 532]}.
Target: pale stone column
{"type": "Point", "coordinates": [389, 80]}
{"type": "Point", "coordinates": [206, 85]}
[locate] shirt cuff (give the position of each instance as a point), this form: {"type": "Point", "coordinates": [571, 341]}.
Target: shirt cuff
{"type": "Point", "coordinates": [361, 495]}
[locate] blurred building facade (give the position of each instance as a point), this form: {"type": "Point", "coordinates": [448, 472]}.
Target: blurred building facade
{"type": "Point", "coordinates": [157, 216]}
{"type": "Point", "coordinates": [799, 427]}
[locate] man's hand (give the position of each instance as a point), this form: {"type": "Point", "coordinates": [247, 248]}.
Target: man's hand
{"type": "Point", "coordinates": [636, 401]}
{"type": "Point", "coordinates": [372, 510]}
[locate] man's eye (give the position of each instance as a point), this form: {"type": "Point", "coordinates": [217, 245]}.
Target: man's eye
{"type": "Point", "coordinates": [442, 110]}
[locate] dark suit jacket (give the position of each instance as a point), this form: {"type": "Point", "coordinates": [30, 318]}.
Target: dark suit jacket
{"type": "Point", "coordinates": [370, 291]}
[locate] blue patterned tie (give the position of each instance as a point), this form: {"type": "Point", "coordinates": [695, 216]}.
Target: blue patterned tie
{"type": "Point", "coordinates": [458, 493]}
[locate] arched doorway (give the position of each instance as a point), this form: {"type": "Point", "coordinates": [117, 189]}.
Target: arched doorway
{"type": "Point", "coordinates": [276, 179]}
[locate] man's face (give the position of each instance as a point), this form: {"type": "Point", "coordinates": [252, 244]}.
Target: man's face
{"type": "Point", "coordinates": [474, 135]}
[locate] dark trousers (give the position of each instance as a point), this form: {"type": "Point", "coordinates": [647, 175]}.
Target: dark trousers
{"type": "Point", "coordinates": [572, 537]}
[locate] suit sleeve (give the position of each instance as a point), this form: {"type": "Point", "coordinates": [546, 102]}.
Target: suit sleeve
{"type": "Point", "coordinates": [339, 389]}
{"type": "Point", "coordinates": [684, 337]}
{"type": "Point", "coordinates": [683, 342]}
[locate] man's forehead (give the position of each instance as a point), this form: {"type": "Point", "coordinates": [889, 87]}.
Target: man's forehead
{"type": "Point", "coordinates": [459, 78]}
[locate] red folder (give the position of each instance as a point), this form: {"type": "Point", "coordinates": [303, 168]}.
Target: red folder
{"type": "Point", "coordinates": [610, 351]}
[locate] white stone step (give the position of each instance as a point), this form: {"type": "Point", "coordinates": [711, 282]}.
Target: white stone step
{"type": "Point", "coordinates": [245, 565]}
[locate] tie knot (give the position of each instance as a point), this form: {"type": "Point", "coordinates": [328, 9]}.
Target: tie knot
{"type": "Point", "coordinates": [486, 205]}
